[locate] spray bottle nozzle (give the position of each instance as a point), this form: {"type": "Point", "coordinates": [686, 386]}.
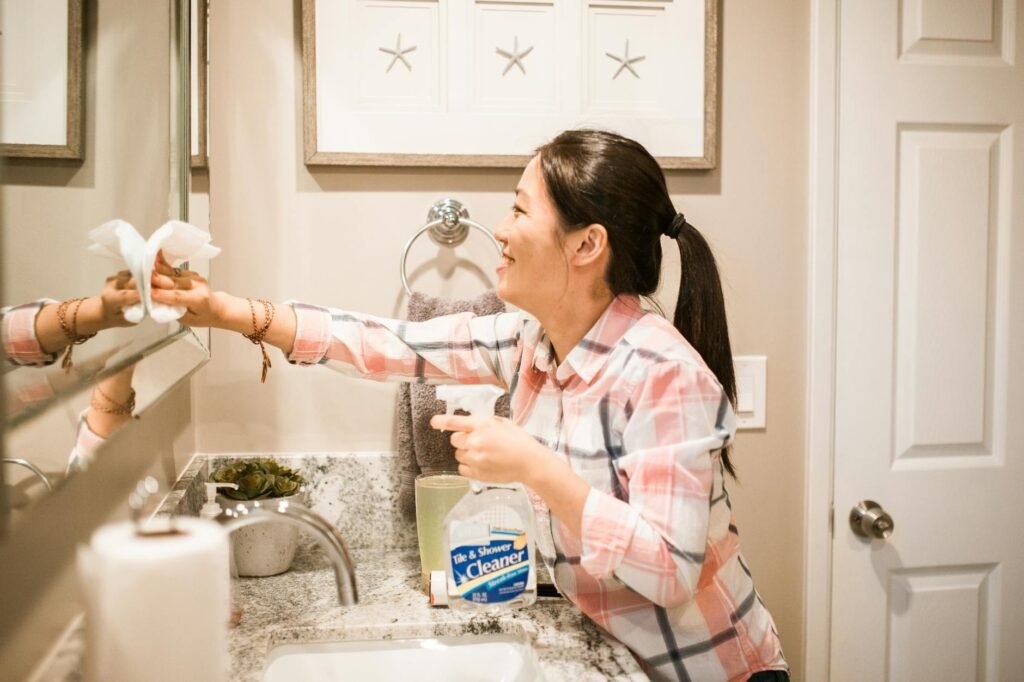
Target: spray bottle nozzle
{"type": "Point", "coordinates": [477, 400]}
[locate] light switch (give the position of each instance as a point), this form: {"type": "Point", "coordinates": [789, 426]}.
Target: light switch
{"type": "Point", "coordinates": [751, 390]}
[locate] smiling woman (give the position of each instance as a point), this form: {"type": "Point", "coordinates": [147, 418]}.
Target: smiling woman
{"type": "Point", "coordinates": [621, 421]}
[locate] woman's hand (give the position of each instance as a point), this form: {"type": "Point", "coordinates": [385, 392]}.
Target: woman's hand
{"type": "Point", "coordinates": [493, 449]}
{"type": "Point", "coordinates": [207, 308]}
{"type": "Point", "coordinates": [204, 308]}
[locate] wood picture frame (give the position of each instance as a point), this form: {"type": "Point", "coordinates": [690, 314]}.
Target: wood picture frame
{"type": "Point", "coordinates": [199, 111]}
{"type": "Point", "coordinates": [319, 153]}
{"type": "Point", "coordinates": [20, 144]}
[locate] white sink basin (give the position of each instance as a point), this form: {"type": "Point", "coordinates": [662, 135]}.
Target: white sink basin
{"type": "Point", "coordinates": [461, 658]}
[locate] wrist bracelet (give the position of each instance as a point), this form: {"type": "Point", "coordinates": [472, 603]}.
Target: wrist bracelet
{"type": "Point", "coordinates": [124, 409]}
{"type": "Point", "coordinates": [70, 333]}
{"type": "Point", "coordinates": [259, 332]}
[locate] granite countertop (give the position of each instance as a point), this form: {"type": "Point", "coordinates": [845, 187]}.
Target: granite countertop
{"type": "Point", "coordinates": [357, 492]}
{"type": "Point", "coordinates": [302, 605]}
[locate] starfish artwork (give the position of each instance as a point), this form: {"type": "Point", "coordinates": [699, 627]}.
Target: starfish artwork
{"type": "Point", "coordinates": [398, 54]}
{"type": "Point", "coordinates": [625, 62]}
{"type": "Point", "coordinates": [514, 57]}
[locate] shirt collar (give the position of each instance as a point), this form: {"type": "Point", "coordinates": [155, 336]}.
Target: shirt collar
{"type": "Point", "coordinates": [592, 352]}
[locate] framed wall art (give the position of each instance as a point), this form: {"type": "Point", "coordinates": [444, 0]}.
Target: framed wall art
{"type": "Point", "coordinates": [199, 82]}
{"type": "Point", "coordinates": [41, 79]}
{"type": "Point", "coordinates": [484, 82]}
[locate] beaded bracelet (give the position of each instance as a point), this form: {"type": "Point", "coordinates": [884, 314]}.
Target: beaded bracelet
{"type": "Point", "coordinates": [71, 333]}
{"type": "Point", "coordinates": [259, 332]}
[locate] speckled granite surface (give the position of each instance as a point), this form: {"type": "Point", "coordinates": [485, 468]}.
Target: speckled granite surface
{"type": "Point", "coordinates": [357, 492]}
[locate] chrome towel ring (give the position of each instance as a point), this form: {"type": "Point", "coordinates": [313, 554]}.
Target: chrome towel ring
{"type": "Point", "coordinates": [448, 224]}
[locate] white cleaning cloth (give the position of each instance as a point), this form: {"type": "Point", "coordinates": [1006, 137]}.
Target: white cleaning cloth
{"type": "Point", "coordinates": [180, 242]}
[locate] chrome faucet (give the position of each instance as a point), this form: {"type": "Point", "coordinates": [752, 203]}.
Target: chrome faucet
{"type": "Point", "coordinates": [31, 467]}
{"type": "Point", "coordinates": [306, 519]}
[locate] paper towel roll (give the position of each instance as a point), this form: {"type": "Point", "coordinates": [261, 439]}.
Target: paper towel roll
{"type": "Point", "coordinates": [157, 608]}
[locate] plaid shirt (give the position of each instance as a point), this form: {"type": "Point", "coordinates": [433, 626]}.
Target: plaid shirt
{"type": "Point", "coordinates": [638, 415]}
{"type": "Point", "coordinates": [19, 334]}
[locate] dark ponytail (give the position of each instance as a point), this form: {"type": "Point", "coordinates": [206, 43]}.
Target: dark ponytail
{"type": "Point", "coordinates": [594, 176]}
{"type": "Point", "coordinates": [700, 311]}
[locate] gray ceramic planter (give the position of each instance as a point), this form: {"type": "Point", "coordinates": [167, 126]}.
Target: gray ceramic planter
{"type": "Point", "coordinates": [265, 548]}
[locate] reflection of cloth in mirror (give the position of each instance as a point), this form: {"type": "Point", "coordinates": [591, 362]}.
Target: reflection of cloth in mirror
{"type": "Point", "coordinates": [179, 241]}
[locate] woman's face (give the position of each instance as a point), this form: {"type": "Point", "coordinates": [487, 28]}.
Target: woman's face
{"type": "Point", "coordinates": [533, 272]}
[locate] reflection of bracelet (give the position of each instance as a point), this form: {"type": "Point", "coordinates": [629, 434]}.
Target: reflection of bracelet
{"type": "Point", "coordinates": [259, 332]}
{"type": "Point", "coordinates": [70, 333]}
{"type": "Point", "coordinates": [123, 409]}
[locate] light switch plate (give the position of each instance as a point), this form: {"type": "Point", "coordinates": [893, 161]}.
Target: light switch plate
{"type": "Point", "coordinates": [751, 390]}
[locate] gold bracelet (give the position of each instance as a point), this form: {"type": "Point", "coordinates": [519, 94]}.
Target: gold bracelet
{"type": "Point", "coordinates": [71, 334]}
{"type": "Point", "coordinates": [259, 332]}
{"type": "Point", "coordinates": [123, 409]}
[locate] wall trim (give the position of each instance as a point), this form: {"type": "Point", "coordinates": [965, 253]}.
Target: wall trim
{"type": "Point", "coordinates": [823, 146]}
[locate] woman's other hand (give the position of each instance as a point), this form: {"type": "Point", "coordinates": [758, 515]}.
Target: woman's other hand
{"type": "Point", "coordinates": [493, 449]}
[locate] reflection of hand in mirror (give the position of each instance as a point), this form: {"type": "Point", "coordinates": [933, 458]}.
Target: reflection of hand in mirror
{"type": "Point", "coordinates": [35, 333]}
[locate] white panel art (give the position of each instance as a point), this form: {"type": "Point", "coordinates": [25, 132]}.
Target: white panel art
{"type": "Point", "coordinates": [484, 82]}
{"type": "Point", "coordinates": [514, 57]}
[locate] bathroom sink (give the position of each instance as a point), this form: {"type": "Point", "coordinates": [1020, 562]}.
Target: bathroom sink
{"type": "Point", "coordinates": [459, 658]}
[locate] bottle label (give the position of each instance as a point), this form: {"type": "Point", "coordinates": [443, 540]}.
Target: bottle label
{"type": "Point", "coordinates": [493, 568]}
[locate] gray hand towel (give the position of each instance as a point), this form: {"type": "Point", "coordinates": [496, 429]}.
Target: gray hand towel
{"type": "Point", "coordinates": [421, 448]}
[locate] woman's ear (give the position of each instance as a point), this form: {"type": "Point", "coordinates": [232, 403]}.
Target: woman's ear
{"type": "Point", "coordinates": [590, 245]}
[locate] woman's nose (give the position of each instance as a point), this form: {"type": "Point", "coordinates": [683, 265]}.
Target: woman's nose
{"type": "Point", "coordinates": [501, 231]}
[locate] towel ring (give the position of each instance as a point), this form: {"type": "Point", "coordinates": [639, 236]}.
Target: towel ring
{"type": "Point", "coordinates": [448, 224]}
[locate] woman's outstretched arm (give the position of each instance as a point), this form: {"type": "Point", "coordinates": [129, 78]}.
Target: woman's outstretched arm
{"type": "Point", "coordinates": [460, 348]}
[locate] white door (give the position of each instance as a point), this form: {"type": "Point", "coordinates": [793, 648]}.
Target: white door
{"type": "Point", "coordinates": [929, 417]}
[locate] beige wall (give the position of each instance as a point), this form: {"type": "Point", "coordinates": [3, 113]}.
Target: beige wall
{"type": "Point", "coordinates": [334, 237]}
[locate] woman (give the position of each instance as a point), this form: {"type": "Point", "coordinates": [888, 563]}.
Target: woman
{"type": "Point", "coordinates": [620, 421]}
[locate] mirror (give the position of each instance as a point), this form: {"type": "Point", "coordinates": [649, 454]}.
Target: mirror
{"type": "Point", "coordinates": [123, 82]}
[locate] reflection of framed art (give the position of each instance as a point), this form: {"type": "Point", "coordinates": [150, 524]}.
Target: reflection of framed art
{"type": "Point", "coordinates": [484, 82]}
{"type": "Point", "coordinates": [199, 80]}
{"type": "Point", "coordinates": [41, 79]}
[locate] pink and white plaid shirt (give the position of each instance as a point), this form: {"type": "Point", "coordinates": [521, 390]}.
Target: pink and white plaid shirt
{"type": "Point", "coordinates": [638, 415]}
{"type": "Point", "coordinates": [21, 345]}
{"type": "Point", "coordinates": [18, 326]}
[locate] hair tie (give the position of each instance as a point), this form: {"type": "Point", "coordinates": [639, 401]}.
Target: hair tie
{"type": "Point", "coordinates": [676, 226]}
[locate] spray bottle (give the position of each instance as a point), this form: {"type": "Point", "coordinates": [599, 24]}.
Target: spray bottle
{"type": "Point", "coordinates": [488, 537]}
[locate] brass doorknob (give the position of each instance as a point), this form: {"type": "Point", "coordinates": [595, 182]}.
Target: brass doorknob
{"type": "Point", "coordinates": [869, 520]}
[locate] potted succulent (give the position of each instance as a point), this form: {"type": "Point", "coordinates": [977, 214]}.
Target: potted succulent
{"type": "Point", "coordinates": [265, 548]}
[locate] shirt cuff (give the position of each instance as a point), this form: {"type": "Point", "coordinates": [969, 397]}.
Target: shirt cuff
{"type": "Point", "coordinates": [312, 334]}
{"type": "Point", "coordinates": [19, 335]}
{"type": "Point", "coordinates": [87, 443]}
{"type": "Point", "coordinates": [606, 533]}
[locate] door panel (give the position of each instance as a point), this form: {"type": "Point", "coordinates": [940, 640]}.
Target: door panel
{"type": "Point", "coordinates": [929, 379]}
